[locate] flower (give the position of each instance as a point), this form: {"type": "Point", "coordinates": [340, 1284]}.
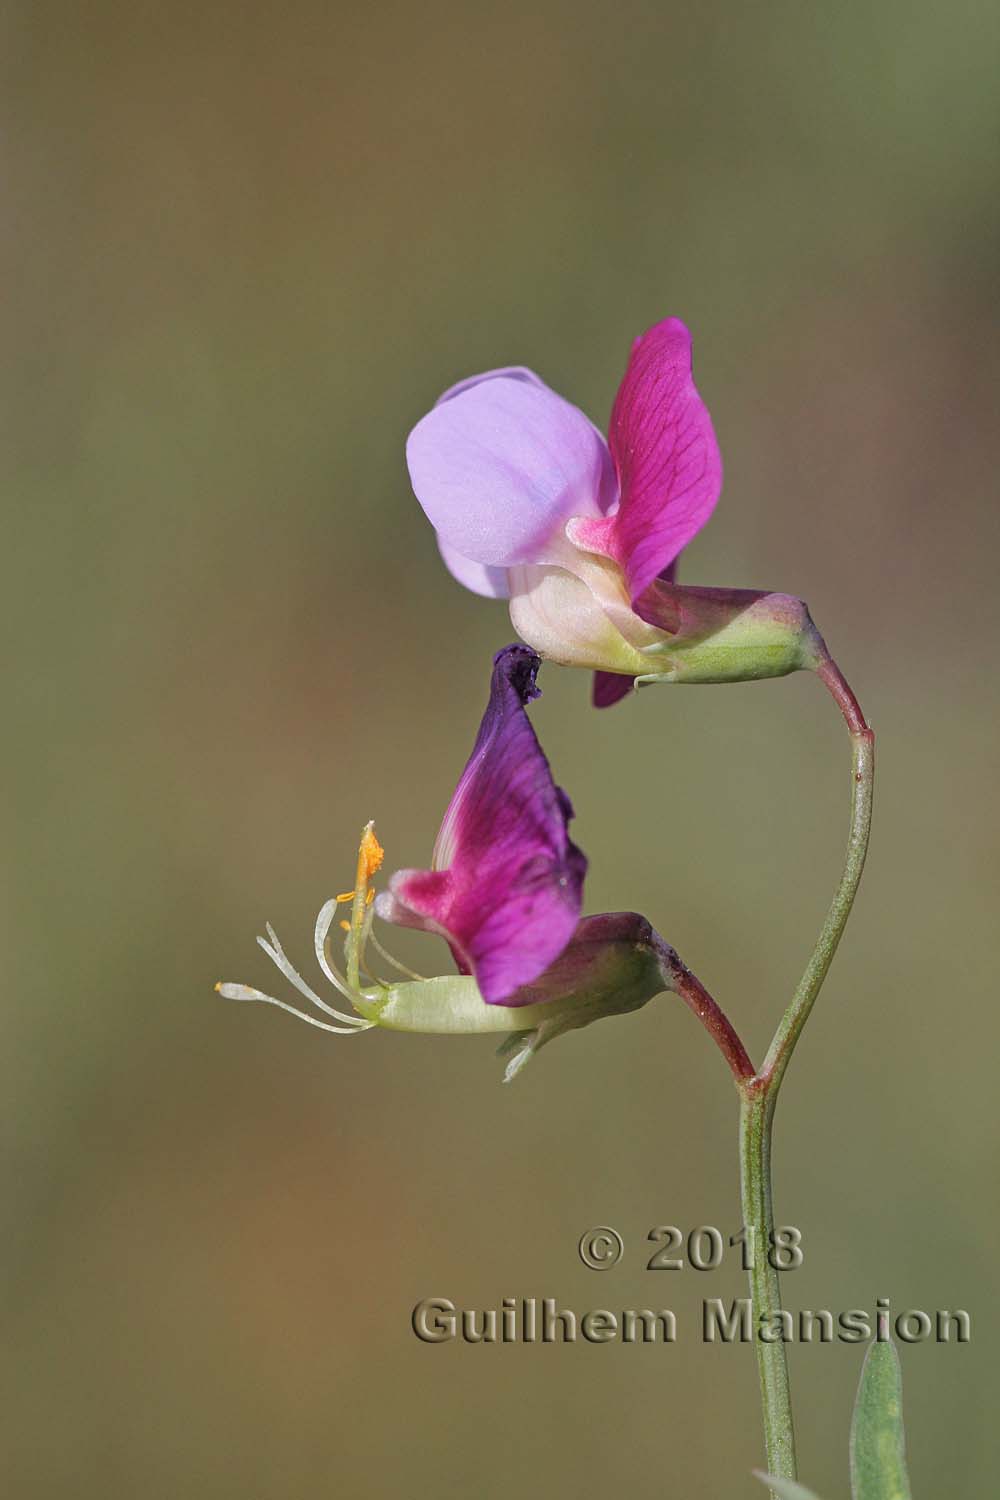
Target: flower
{"type": "Point", "coordinates": [505, 889]}
{"type": "Point", "coordinates": [530, 503]}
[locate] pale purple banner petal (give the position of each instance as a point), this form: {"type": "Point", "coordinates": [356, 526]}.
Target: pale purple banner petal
{"type": "Point", "coordinates": [508, 372]}
{"type": "Point", "coordinates": [500, 467]}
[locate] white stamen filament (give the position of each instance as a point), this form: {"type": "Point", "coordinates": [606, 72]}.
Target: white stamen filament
{"type": "Point", "coordinates": [321, 939]}
{"type": "Point", "coordinates": [384, 953]}
{"type": "Point", "coordinates": [352, 1024]}
{"type": "Point", "coordinates": [276, 953]}
{"type": "Point", "coordinates": [244, 992]}
{"type": "Point", "coordinates": [324, 922]}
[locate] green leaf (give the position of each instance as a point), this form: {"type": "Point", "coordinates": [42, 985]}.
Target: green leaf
{"type": "Point", "coordinates": [785, 1489]}
{"type": "Point", "coordinates": [878, 1463]}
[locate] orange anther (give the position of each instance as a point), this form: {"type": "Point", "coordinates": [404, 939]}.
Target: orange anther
{"type": "Point", "coordinates": [370, 855]}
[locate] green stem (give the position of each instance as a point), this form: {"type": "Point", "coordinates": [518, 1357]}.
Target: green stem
{"type": "Point", "coordinates": [862, 784]}
{"type": "Point", "coordinates": [759, 1095]}
{"type": "Point", "coordinates": [756, 1114]}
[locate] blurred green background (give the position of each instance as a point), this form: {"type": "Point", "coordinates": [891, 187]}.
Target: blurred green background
{"type": "Point", "coordinates": [247, 245]}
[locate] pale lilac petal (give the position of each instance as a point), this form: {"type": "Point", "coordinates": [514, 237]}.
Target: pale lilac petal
{"type": "Point", "coordinates": [492, 583]}
{"type": "Point", "coordinates": [666, 458]}
{"type": "Point", "coordinates": [507, 882]}
{"type": "Point", "coordinates": [508, 372]}
{"type": "Point", "coordinates": [609, 494]}
{"type": "Point", "coordinates": [501, 466]}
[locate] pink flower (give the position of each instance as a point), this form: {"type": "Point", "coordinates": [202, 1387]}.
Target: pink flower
{"type": "Point", "coordinates": [530, 503]}
{"type": "Point", "coordinates": [505, 890]}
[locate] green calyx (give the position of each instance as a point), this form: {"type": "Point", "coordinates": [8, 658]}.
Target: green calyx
{"type": "Point", "coordinates": [613, 965]}
{"type": "Point", "coordinates": [730, 636]}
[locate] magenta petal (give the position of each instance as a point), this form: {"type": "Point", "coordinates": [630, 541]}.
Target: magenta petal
{"type": "Point", "coordinates": [666, 456]}
{"type": "Point", "coordinates": [502, 464]}
{"type": "Point", "coordinates": [507, 882]}
{"type": "Point", "coordinates": [609, 688]}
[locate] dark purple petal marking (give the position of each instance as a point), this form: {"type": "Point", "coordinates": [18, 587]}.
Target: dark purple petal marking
{"type": "Point", "coordinates": [610, 688]}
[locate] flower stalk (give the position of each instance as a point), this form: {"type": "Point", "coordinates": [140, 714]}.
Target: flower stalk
{"type": "Point", "coordinates": [715, 1021]}
{"type": "Point", "coordinates": [759, 1094]}
{"type": "Point", "coordinates": [795, 1017]}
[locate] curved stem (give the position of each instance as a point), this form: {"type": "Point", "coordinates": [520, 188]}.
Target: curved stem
{"type": "Point", "coordinates": [714, 1019]}
{"type": "Point", "coordinates": [759, 1095]}
{"type": "Point", "coordinates": [862, 785]}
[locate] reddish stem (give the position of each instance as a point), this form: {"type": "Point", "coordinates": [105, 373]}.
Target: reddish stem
{"type": "Point", "coordinates": [715, 1021]}
{"type": "Point", "coordinates": [840, 688]}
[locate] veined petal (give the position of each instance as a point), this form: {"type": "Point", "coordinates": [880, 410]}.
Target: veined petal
{"type": "Point", "coordinates": [507, 881]}
{"type": "Point", "coordinates": [501, 464]}
{"type": "Point", "coordinates": [666, 458]}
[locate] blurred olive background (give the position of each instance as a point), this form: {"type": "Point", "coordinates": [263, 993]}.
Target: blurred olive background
{"type": "Point", "coordinates": [247, 246]}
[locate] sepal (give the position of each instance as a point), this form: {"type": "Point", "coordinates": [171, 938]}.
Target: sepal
{"type": "Point", "coordinates": [615, 963]}
{"type": "Point", "coordinates": [727, 635]}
